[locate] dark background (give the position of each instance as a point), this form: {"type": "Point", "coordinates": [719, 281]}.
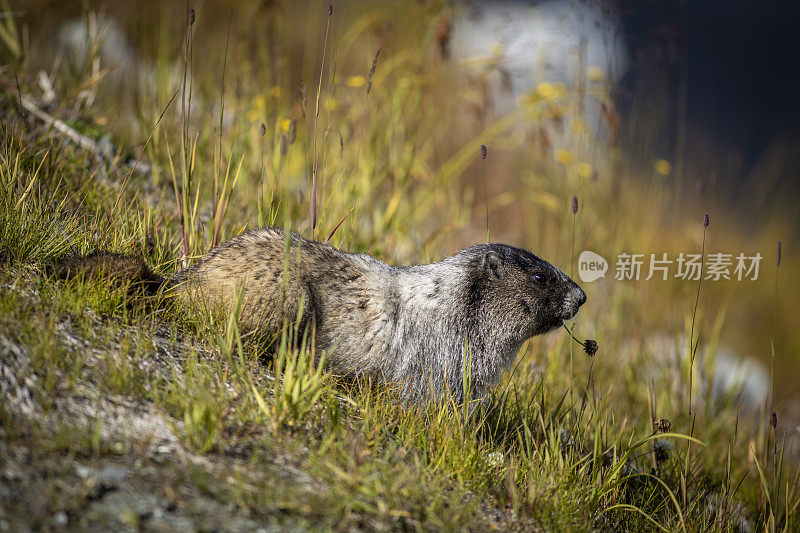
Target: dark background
{"type": "Point", "coordinates": [739, 60]}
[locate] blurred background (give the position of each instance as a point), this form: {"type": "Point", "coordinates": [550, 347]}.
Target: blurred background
{"type": "Point", "coordinates": [651, 113]}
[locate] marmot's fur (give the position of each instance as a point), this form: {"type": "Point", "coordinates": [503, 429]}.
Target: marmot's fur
{"type": "Point", "coordinates": [410, 326]}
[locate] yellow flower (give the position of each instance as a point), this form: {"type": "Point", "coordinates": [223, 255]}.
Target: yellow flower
{"type": "Point", "coordinates": [285, 124]}
{"type": "Point", "coordinates": [563, 156]}
{"type": "Point", "coordinates": [549, 91]}
{"type": "Point", "coordinates": [259, 102]}
{"type": "Point", "coordinates": [252, 115]}
{"type": "Point", "coordinates": [584, 170]}
{"type": "Point", "coordinates": [275, 92]}
{"type": "Point", "coordinates": [355, 81]}
{"type": "Point", "coordinates": [663, 167]}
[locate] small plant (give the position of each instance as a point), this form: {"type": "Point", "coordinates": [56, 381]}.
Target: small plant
{"type": "Point", "coordinates": [299, 383]}
{"type": "Point", "coordinates": [202, 424]}
{"type": "Point", "coordinates": [692, 344]}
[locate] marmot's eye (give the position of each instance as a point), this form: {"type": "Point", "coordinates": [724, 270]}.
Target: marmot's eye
{"type": "Point", "coordinates": [539, 278]}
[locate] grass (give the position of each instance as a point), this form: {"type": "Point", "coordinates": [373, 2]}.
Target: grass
{"type": "Point", "coordinates": [565, 442]}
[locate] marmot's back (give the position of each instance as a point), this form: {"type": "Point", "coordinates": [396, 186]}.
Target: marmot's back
{"type": "Point", "coordinates": [281, 281]}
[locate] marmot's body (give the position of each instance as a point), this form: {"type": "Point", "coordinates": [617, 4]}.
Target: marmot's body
{"type": "Point", "coordinates": [410, 326]}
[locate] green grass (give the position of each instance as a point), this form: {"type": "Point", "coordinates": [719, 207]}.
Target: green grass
{"type": "Point", "coordinates": [565, 442]}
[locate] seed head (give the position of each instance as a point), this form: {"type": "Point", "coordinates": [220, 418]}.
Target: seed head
{"type": "Point", "coordinates": [302, 94]}
{"type": "Point", "coordinates": [191, 17]}
{"type": "Point", "coordinates": [778, 254]}
{"type": "Point", "coordinates": [483, 151]}
{"type": "Point", "coordinates": [590, 347]}
{"type": "Point", "coordinates": [773, 420]}
{"type": "Point", "coordinates": [292, 133]}
{"type": "Point", "coordinates": [663, 425]}
{"type": "Point", "coordinates": [705, 220]}
{"type": "Point", "coordinates": [444, 30]}
{"type": "Point", "coordinates": [574, 205]}
{"type": "Point", "coordinates": [312, 208]}
{"type": "Point", "coordinates": [330, 9]}
{"type": "Point", "coordinates": [284, 145]}
{"type": "Point", "coordinates": [262, 129]}
{"type": "Point", "coordinates": [372, 69]}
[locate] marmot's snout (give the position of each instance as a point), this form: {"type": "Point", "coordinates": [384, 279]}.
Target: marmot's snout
{"type": "Point", "coordinates": [575, 299]}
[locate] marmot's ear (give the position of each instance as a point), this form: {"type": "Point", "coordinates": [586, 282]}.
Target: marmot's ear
{"type": "Point", "coordinates": [492, 264]}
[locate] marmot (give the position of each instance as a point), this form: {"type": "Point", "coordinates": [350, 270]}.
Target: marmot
{"type": "Point", "coordinates": [409, 326]}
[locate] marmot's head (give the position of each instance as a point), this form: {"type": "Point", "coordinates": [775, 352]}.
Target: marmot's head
{"type": "Point", "coordinates": [523, 294]}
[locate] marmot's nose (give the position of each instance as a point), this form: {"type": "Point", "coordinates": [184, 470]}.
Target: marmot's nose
{"type": "Point", "coordinates": [575, 299]}
{"type": "Point", "coordinates": [578, 296]}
